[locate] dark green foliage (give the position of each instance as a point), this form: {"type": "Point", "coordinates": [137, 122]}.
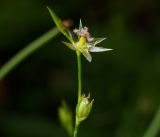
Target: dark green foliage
{"type": "Point", "coordinates": [125, 82]}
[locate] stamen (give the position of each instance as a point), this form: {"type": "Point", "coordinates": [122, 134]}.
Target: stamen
{"type": "Point", "coordinates": [83, 32]}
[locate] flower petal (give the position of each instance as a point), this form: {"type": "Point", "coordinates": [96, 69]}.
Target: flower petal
{"type": "Point", "coordinates": [94, 41]}
{"type": "Point", "coordinates": [98, 49]}
{"type": "Point", "coordinates": [69, 45]}
{"type": "Point", "coordinates": [87, 55]}
{"type": "Point", "coordinates": [80, 25]}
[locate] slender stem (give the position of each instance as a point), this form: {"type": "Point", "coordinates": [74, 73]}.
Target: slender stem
{"type": "Point", "coordinates": [154, 126]}
{"type": "Point", "coordinates": [79, 75]}
{"type": "Point", "coordinates": [79, 90]}
{"type": "Point", "coordinates": [28, 50]}
{"type": "Point", "coordinates": [76, 129]}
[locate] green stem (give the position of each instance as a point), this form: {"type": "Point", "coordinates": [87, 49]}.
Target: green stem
{"type": "Point", "coordinates": [79, 74]}
{"type": "Point", "coordinates": [79, 90]}
{"type": "Point", "coordinates": [154, 126]}
{"type": "Point", "coordinates": [24, 53]}
{"type": "Point", "coordinates": [76, 129]}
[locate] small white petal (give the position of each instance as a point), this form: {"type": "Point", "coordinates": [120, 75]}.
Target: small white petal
{"type": "Point", "coordinates": [95, 41]}
{"type": "Point", "coordinates": [98, 49]}
{"type": "Point", "coordinates": [75, 31]}
{"type": "Point", "coordinates": [90, 39]}
{"type": "Point", "coordinates": [87, 55]}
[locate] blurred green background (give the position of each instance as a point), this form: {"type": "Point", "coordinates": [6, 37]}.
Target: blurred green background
{"type": "Point", "coordinates": [125, 82]}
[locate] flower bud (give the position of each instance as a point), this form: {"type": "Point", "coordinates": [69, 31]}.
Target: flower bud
{"type": "Point", "coordinates": [66, 117]}
{"type": "Point", "coordinates": [83, 108]}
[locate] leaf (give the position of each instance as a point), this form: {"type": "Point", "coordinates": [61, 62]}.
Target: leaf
{"type": "Point", "coordinates": [70, 34]}
{"type": "Point", "coordinates": [27, 51]}
{"type": "Point", "coordinates": [57, 21]}
{"type": "Point", "coordinates": [59, 24]}
{"type": "Point", "coordinates": [69, 45]}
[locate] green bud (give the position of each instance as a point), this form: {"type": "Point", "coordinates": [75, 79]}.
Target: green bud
{"type": "Point", "coordinates": [66, 117]}
{"type": "Point", "coordinates": [83, 108]}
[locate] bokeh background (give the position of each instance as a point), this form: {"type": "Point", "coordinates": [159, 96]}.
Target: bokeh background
{"type": "Point", "coordinates": [125, 82]}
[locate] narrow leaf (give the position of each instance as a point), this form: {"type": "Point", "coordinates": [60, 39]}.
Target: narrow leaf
{"type": "Point", "coordinates": [59, 24]}
{"type": "Point", "coordinates": [57, 20]}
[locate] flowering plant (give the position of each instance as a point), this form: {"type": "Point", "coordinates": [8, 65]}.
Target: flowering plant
{"type": "Point", "coordinates": [83, 44]}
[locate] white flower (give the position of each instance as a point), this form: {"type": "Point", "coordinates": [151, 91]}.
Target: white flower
{"type": "Point", "coordinates": [86, 43]}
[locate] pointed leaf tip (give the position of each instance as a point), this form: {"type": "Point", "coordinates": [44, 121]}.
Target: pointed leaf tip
{"type": "Point", "coordinates": [57, 20]}
{"type": "Point", "coordinates": [59, 24]}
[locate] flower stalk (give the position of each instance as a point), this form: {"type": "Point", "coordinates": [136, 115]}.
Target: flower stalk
{"type": "Point", "coordinates": [76, 128]}
{"type": "Point", "coordinates": [84, 44]}
{"type": "Point", "coordinates": [79, 75]}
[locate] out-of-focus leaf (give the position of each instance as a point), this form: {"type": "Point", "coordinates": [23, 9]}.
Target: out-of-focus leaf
{"type": "Point", "coordinates": [66, 117]}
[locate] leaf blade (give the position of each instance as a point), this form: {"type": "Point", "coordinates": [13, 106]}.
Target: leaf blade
{"type": "Point", "coordinates": [59, 24]}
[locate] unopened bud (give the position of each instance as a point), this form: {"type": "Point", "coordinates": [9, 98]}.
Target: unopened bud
{"type": "Point", "coordinates": [83, 108]}
{"type": "Point", "coordinates": [66, 117]}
